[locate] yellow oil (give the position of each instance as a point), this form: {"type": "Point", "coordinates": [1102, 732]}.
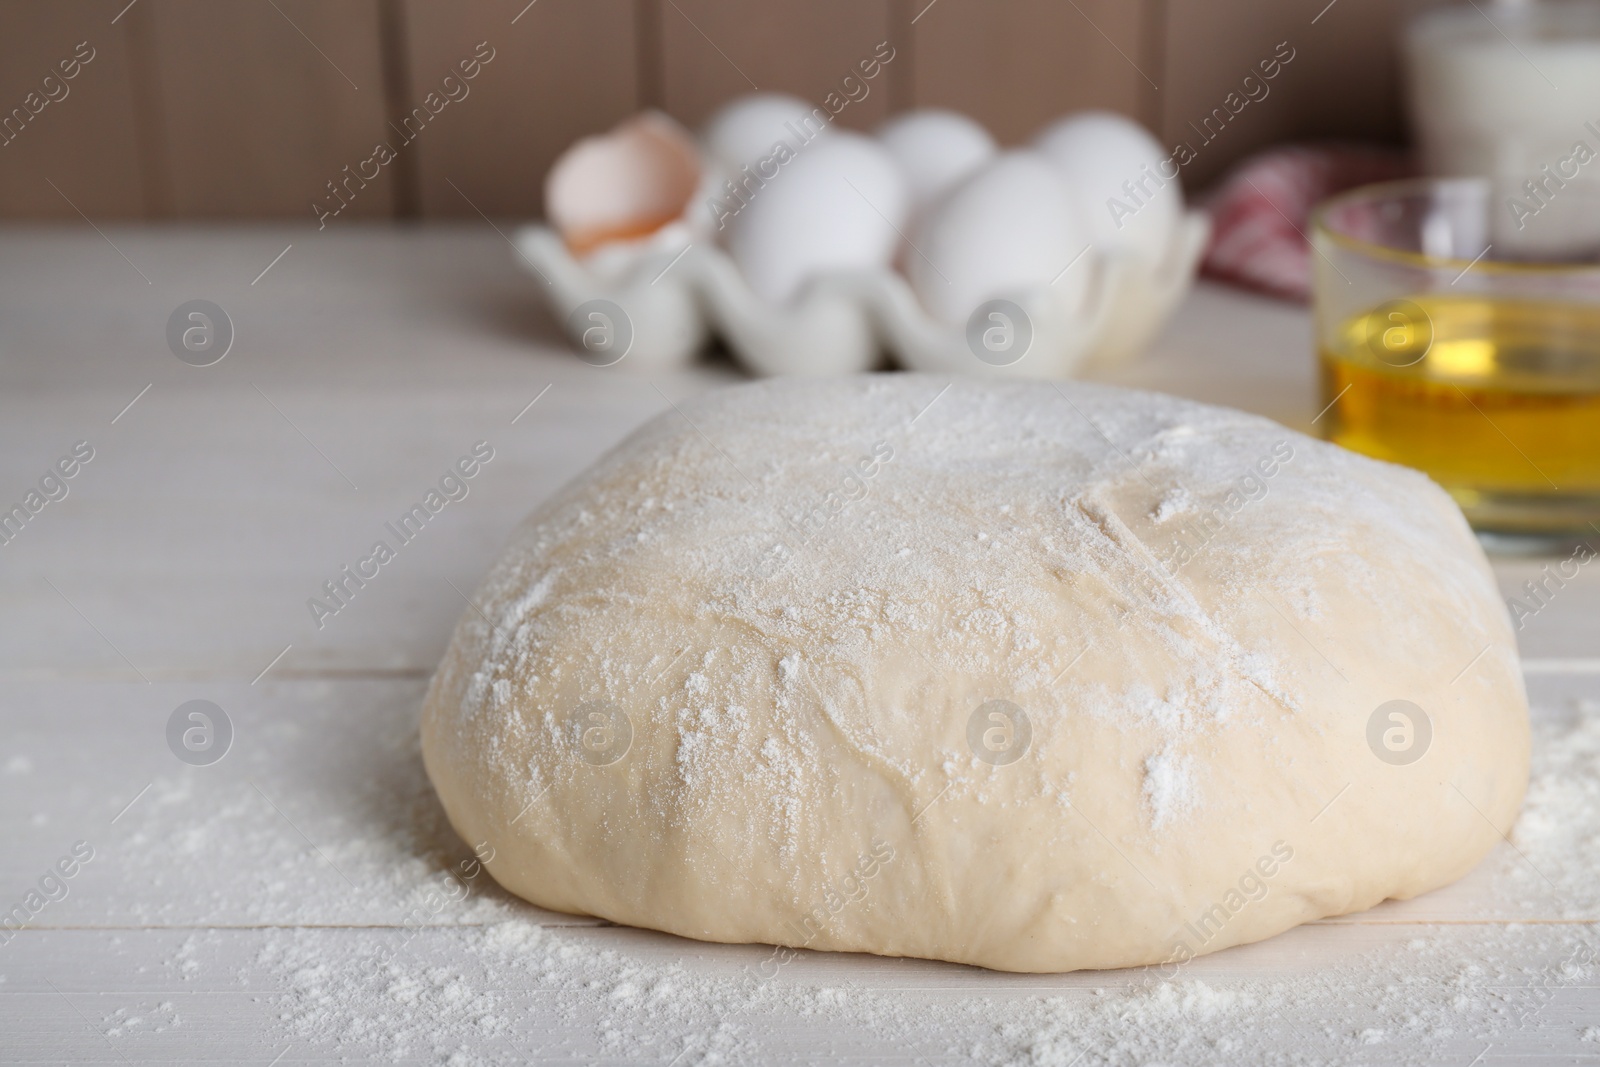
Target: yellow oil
{"type": "Point", "coordinates": [1498, 400]}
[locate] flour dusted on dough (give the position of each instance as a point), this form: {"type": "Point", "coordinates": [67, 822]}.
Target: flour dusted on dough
{"type": "Point", "coordinates": [1058, 665]}
{"type": "Point", "coordinates": [1169, 786]}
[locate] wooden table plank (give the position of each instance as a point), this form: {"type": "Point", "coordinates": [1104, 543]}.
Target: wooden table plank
{"type": "Point", "coordinates": [512, 993]}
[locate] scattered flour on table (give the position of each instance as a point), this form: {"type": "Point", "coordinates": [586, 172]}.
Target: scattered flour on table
{"type": "Point", "coordinates": [499, 988]}
{"type": "Point", "coordinates": [1412, 1003]}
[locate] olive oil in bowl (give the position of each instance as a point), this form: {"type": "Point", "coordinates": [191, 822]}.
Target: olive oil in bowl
{"type": "Point", "coordinates": [1497, 398]}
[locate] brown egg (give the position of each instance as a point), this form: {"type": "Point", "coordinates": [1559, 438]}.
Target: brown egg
{"type": "Point", "coordinates": [624, 184]}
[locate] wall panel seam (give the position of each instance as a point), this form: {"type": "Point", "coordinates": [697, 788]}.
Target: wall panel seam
{"type": "Point", "coordinates": [394, 53]}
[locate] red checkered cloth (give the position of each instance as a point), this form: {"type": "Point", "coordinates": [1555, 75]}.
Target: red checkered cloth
{"type": "Point", "coordinates": [1260, 213]}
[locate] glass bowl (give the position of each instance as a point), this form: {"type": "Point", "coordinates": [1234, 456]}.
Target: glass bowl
{"type": "Point", "coordinates": [1444, 353]}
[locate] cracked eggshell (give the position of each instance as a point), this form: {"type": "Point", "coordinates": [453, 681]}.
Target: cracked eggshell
{"type": "Point", "coordinates": [1097, 152]}
{"type": "Point", "coordinates": [624, 185]}
{"type": "Point", "coordinates": [935, 150]}
{"type": "Point", "coordinates": [838, 204]}
{"type": "Point", "coordinates": [1010, 226]}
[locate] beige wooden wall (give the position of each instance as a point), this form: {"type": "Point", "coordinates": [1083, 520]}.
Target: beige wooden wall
{"type": "Point", "coordinates": [211, 109]}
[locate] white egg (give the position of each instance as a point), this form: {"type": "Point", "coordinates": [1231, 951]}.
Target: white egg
{"type": "Point", "coordinates": [745, 129]}
{"type": "Point", "coordinates": [1119, 173]}
{"type": "Point", "coordinates": [838, 203]}
{"type": "Point", "coordinates": [1010, 226]}
{"type": "Point", "coordinates": [935, 150]}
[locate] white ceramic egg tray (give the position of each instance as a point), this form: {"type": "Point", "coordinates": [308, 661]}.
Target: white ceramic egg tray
{"type": "Point", "coordinates": [676, 294]}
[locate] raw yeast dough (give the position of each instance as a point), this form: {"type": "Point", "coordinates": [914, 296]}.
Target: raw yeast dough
{"type": "Point", "coordinates": [1029, 676]}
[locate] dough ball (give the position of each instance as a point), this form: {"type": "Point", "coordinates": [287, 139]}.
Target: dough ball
{"type": "Point", "coordinates": [1018, 675]}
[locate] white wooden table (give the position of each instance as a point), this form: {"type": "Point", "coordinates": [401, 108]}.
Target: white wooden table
{"type": "Point", "coordinates": [257, 908]}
